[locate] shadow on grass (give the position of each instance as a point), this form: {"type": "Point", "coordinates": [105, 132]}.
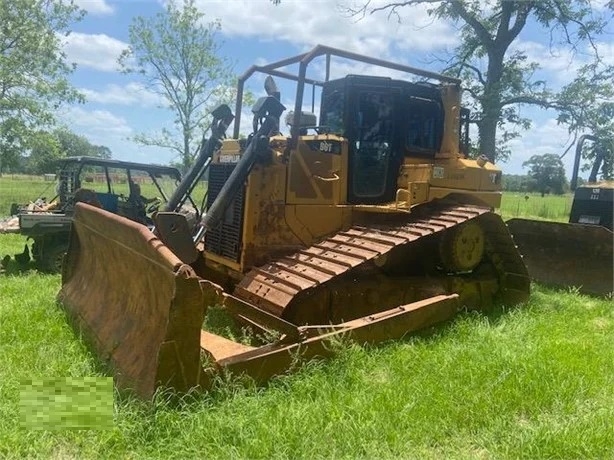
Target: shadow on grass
{"type": "Point", "coordinates": [9, 266]}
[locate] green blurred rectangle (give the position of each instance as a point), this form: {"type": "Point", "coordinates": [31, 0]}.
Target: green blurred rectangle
{"type": "Point", "coordinates": [67, 403]}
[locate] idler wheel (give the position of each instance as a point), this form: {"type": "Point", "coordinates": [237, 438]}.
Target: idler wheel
{"type": "Point", "coordinates": [461, 248]}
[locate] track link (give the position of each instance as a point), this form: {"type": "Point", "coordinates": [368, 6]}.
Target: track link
{"type": "Point", "coordinates": [275, 285]}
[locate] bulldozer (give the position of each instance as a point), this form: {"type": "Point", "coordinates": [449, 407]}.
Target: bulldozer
{"type": "Point", "coordinates": [579, 253]}
{"type": "Point", "coordinates": [367, 224]}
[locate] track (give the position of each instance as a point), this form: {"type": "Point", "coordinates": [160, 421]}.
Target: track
{"type": "Point", "coordinates": [276, 286]}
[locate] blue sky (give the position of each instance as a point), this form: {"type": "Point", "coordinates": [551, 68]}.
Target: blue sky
{"type": "Point", "coordinates": [255, 31]}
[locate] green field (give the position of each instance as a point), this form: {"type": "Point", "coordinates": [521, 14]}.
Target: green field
{"type": "Point", "coordinates": [23, 189]}
{"type": "Point", "coordinates": [533, 205]}
{"type": "Point", "coordinates": [529, 382]}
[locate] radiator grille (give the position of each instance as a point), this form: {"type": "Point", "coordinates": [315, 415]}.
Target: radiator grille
{"type": "Point", "coordinates": [225, 239]}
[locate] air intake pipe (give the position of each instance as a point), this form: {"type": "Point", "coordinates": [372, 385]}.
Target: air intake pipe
{"type": "Point", "coordinates": [222, 117]}
{"type": "Point", "coordinates": [267, 111]}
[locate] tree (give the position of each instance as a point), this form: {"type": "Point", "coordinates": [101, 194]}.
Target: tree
{"type": "Point", "coordinates": [547, 174]}
{"type": "Point", "coordinates": [44, 151]}
{"type": "Point", "coordinates": [178, 55]}
{"type": "Point", "coordinates": [33, 70]}
{"type": "Point", "coordinates": [496, 77]}
{"type": "Point", "coordinates": [73, 145]}
{"type": "Point", "coordinates": [47, 148]}
{"type": "Point", "coordinates": [587, 106]}
{"type": "Point", "coordinates": [514, 182]}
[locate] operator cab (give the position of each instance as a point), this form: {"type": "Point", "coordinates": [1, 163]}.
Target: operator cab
{"type": "Point", "coordinates": [383, 120]}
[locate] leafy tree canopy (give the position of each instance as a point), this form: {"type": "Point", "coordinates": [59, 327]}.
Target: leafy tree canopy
{"type": "Point", "coordinates": [547, 174]}
{"type": "Point", "coordinates": [178, 54]}
{"type": "Point", "coordinates": [587, 106]}
{"type": "Point", "coordinates": [33, 71]}
{"type": "Point", "coordinates": [46, 147]}
{"type": "Point", "coordinates": [515, 182]}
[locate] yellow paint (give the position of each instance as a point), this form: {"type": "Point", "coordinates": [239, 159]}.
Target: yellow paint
{"type": "Point", "coordinates": [490, 199]}
{"type": "Point", "coordinates": [317, 177]}
{"type": "Point", "coordinates": [296, 197]}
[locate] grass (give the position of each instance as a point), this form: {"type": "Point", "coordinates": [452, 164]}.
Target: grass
{"type": "Point", "coordinates": [534, 206]}
{"type": "Point", "coordinates": [531, 382]}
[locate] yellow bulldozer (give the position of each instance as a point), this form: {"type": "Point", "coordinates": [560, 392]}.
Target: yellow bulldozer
{"type": "Point", "coordinates": [580, 253]}
{"type": "Point", "coordinates": [368, 223]}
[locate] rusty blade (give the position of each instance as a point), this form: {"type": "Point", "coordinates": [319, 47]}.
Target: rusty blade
{"type": "Point", "coordinates": [566, 255]}
{"type": "Point", "coordinates": [134, 301]}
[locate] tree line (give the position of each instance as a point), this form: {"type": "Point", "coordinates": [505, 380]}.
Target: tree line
{"type": "Point", "coordinates": [43, 154]}
{"type": "Point", "coordinates": [546, 175]}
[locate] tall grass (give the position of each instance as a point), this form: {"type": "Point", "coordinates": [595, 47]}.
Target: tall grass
{"type": "Point", "coordinates": [534, 206]}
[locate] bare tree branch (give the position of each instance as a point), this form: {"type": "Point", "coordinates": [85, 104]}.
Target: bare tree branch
{"type": "Point", "coordinates": [472, 21]}
{"type": "Point", "coordinates": [532, 100]}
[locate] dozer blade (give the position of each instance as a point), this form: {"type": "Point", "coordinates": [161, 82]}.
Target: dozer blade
{"type": "Point", "coordinates": [142, 310]}
{"type": "Point", "coordinates": [566, 255]}
{"type": "Point", "coordinates": [133, 300]}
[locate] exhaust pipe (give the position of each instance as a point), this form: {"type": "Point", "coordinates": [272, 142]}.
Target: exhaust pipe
{"type": "Point", "coordinates": [268, 109]}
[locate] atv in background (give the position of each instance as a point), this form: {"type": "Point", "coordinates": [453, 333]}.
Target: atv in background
{"type": "Point", "coordinates": [131, 190]}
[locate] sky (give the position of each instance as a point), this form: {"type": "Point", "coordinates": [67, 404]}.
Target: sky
{"type": "Point", "coordinates": [120, 106]}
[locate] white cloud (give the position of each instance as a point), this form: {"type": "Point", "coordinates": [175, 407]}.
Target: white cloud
{"type": "Point", "coordinates": [306, 24]}
{"type": "Point", "coordinates": [132, 94]}
{"type": "Point", "coordinates": [97, 124]}
{"type": "Point", "coordinates": [600, 5]}
{"type": "Point", "coordinates": [96, 51]}
{"type": "Point", "coordinates": [606, 51]}
{"type": "Point", "coordinates": [554, 59]}
{"type": "Point", "coordinates": [102, 127]}
{"type": "Point", "coordinates": [96, 7]}
{"type": "Point", "coordinates": [544, 137]}
{"type": "Point", "coordinates": [562, 62]}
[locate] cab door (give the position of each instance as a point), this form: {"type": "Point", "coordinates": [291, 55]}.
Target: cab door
{"type": "Point", "coordinates": [373, 145]}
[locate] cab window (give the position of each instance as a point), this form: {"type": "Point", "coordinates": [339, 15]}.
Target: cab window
{"type": "Point", "coordinates": [424, 125]}
{"type": "Point", "coordinates": [332, 111]}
